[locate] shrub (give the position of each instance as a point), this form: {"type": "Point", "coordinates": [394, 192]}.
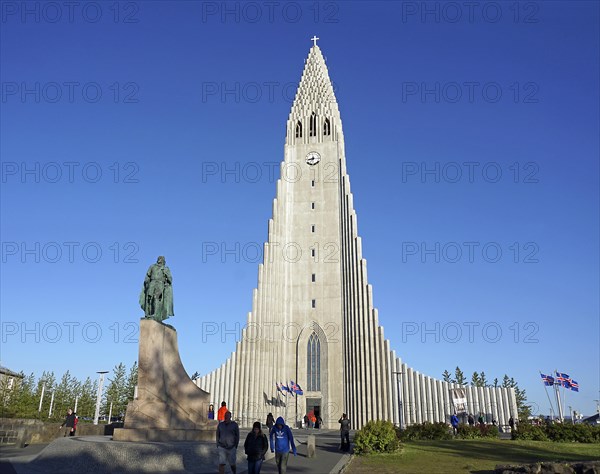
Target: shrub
{"type": "Point", "coordinates": [426, 430]}
{"type": "Point", "coordinates": [579, 433]}
{"type": "Point", "coordinates": [489, 431]}
{"type": "Point", "coordinates": [376, 437]}
{"type": "Point", "coordinates": [528, 432]}
{"type": "Point", "coordinates": [477, 432]}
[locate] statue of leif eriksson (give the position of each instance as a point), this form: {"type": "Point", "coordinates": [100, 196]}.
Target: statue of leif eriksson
{"type": "Point", "coordinates": [156, 298]}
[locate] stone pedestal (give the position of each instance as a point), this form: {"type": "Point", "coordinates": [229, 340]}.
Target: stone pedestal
{"type": "Point", "coordinates": [311, 446]}
{"type": "Point", "coordinates": [169, 406]}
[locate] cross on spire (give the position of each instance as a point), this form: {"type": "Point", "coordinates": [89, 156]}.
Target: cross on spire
{"type": "Point", "coordinates": [314, 40]}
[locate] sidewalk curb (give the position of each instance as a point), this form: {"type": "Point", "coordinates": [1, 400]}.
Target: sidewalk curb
{"type": "Point", "coordinates": [342, 464]}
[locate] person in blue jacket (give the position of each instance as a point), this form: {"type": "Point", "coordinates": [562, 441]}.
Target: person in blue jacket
{"type": "Point", "coordinates": [281, 439]}
{"type": "Point", "coordinates": [454, 423]}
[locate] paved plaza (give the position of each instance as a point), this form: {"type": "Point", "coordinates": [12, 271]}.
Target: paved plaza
{"type": "Point", "coordinates": [100, 454]}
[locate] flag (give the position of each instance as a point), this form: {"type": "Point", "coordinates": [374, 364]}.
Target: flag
{"type": "Point", "coordinates": [282, 388]}
{"type": "Point", "coordinates": [566, 384]}
{"type": "Point", "coordinates": [574, 386]}
{"type": "Point", "coordinates": [548, 380]}
{"type": "Point", "coordinates": [285, 388]}
{"type": "Point", "coordinates": [562, 377]}
{"type": "Point", "coordinates": [296, 388]}
{"type": "Point", "coordinates": [278, 387]}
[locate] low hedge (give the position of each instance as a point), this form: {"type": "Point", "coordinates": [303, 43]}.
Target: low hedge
{"type": "Point", "coordinates": [425, 431]}
{"type": "Point", "coordinates": [579, 433]}
{"type": "Point", "coordinates": [477, 432]}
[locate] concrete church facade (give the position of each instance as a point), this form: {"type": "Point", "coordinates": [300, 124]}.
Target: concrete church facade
{"type": "Point", "coordinates": [313, 319]}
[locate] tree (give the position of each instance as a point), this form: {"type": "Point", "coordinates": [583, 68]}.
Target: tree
{"type": "Point", "coordinates": [86, 406]}
{"type": "Point", "coordinates": [483, 379]}
{"type": "Point", "coordinates": [459, 376]}
{"type": "Point", "coordinates": [475, 380]}
{"type": "Point", "coordinates": [24, 401]}
{"type": "Point", "coordinates": [446, 377]}
{"type": "Point", "coordinates": [496, 382]}
{"type": "Point", "coordinates": [64, 396]}
{"type": "Point", "coordinates": [523, 409]}
{"type": "Point", "coordinates": [116, 392]}
{"type": "Point", "coordinates": [132, 380]}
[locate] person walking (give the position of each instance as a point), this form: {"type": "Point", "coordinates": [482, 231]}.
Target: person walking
{"type": "Point", "coordinates": [471, 420]}
{"type": "Point", "coordinates": [270, 421]}
{"type": "Point", "coordinates": [69, 424]}
{"type": "Point", "coordinates": [281, 439]}
{"type": "Point", "coordinates": [454, 423]}
{"type": "Point", "coordinates": [228, 439]}
{"type": "Point", "coordinates": [222, 411]}
{"type": "Point", "coordinates": [255, 447]}
{"type": "Point", "coordinates": [345, 432]}
{"type": "Point", "coordinates": [319, 422]}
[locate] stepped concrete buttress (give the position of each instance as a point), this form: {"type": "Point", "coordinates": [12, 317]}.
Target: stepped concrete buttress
{"type": "Point", "coordinates": [169, 406]}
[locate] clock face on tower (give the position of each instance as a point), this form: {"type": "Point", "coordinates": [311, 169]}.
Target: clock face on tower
{"type": "Point", "coordinates": [312, 158]}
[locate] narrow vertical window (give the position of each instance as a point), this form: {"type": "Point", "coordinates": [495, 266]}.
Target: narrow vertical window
{"type": "Point", "coordinates": [314, 303]}
{"type": "Point", "coordinates": [314, 278]}
{"type": "Point", "coordinates": [313, 125]}
{"type": "Point", "coordinates": [312, 229]}
{"type": "Point", "coordinates": [312, 252]}
{"type": "Point", "coordinates": [312, 205]}
{"type": "Point", "coordinates": [313, 363]}
{"type": "Point", "coordinates": [312, 183]}
{"type": "Point", "coordinates": [327, 127]}
{"type": "Point", "coordinates": [299, 129]}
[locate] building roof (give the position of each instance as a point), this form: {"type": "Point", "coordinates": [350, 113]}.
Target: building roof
{"type": "Point", "coordinates": [5, 371]}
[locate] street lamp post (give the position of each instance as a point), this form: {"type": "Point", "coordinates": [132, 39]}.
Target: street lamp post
{"type": "Point", "coordinates": [99, 397]}
{"type": "Point", "coordinates": [398, 374]}
{"type": "Point", "coordinates": [571, 412]}
{"type": "Point", "coordinates": [42, 396]}
{"type": "Point", "coordinates": [51, 404]}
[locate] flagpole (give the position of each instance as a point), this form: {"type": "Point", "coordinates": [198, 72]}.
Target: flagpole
{"type": "Point", "coordinates": [560, 413]}
{"type": "Point", "coordinates": [296, 415]}
{"type": "Point", "coordinates": [548, 395]}
{"type": "Point", "coordinates": [564, 396]}
{"type": "Point", "coordinates": [556, 389]}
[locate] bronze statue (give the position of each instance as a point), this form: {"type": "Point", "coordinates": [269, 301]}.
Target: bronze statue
{"type": "Point", "coordinates": [156, 298]}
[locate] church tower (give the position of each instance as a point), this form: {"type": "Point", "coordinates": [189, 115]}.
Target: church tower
{"type": "Point", "coordinates": [312, 319]}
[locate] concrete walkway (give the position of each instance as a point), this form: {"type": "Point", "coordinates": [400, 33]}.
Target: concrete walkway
{"type": "Point", "coordinates": [328, 457]}
{"type": "Point", "coordinates": [99, 454]}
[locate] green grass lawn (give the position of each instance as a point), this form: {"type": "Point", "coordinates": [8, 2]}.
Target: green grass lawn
{"type": "Point", "coordinates": [474, 456]}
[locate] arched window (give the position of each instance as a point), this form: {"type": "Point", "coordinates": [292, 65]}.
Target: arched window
{"type": "Point", "coordinates": [313, 363]}
{"type": "Point", "coordinates": [313, 125]}
{"type": "Point", "coordinates": [299, 129]}
{"type": "Point", "coordinates": [326, 127]}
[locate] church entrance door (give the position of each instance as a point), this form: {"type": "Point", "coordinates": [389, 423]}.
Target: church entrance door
{"type": "Point", "coordinates": [313, 407]}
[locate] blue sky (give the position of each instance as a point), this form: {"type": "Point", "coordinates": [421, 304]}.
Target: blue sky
{"type": "Point", "coordinates": [465, 130]}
